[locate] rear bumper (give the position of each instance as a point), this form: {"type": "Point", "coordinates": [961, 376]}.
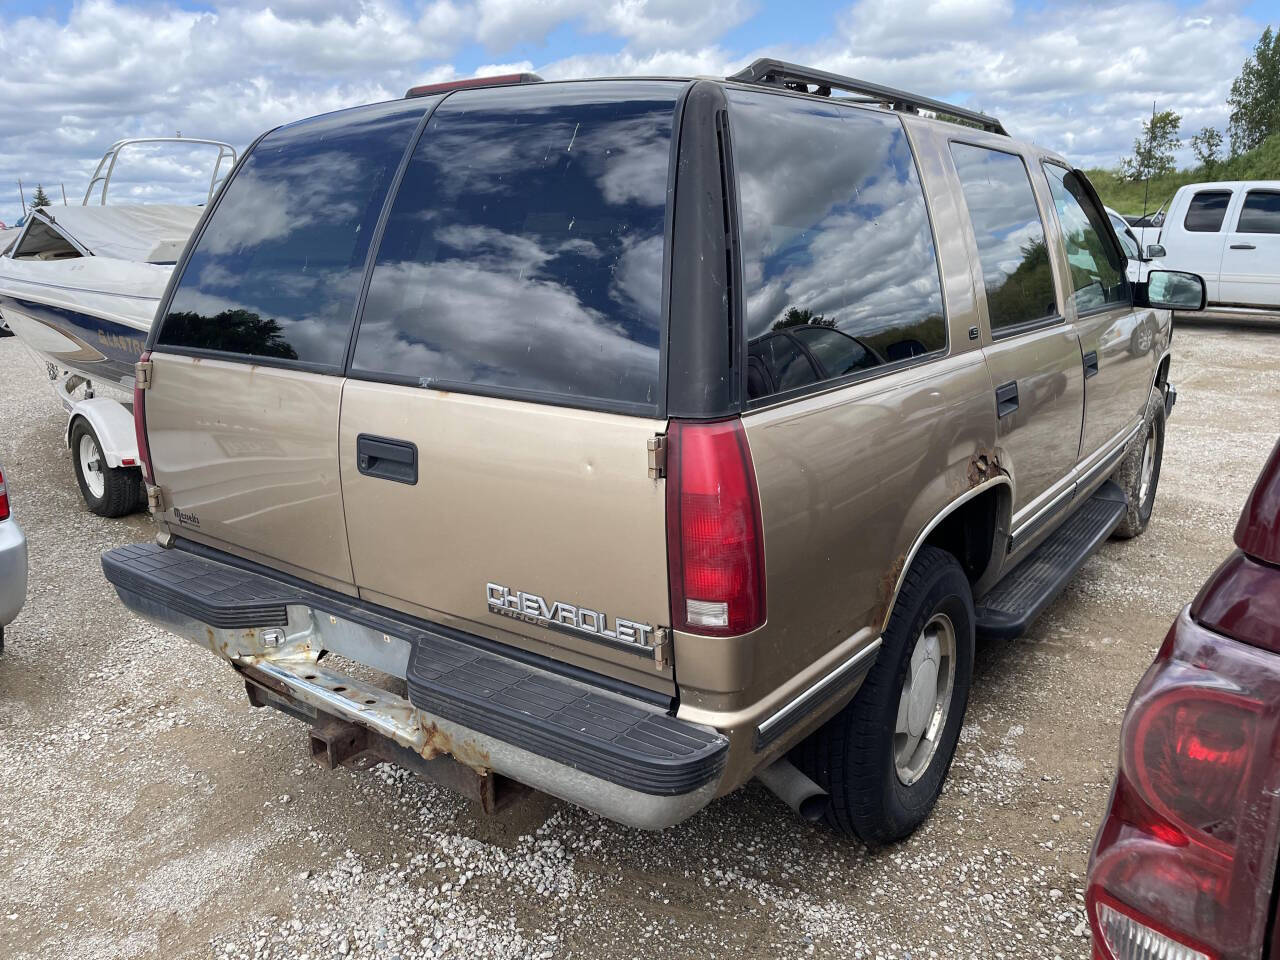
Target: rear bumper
{"type": "Point", "coordinates": [492, 709]}
{"type": "Point", "coordinates": [13, 570]}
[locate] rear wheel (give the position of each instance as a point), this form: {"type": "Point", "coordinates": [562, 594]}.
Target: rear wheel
{"type": "Point", "coordinates": [884, 757]}
{"type": "Point", "coordinates": [107, 491]}
{"type": "Point", "coordinates": [1139, 471]}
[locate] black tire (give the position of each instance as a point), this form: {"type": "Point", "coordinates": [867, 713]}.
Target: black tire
{"type": "Point", "coordinates": [5, 332]}
{"type": "Point", "coordinates": [1, 639]}
{"type": "Point", "coordinates": [853, 756]}
{"type": "Point", "coordinates": [123, 491]}
{"type": "Point", "coordinates": [1129, 474]}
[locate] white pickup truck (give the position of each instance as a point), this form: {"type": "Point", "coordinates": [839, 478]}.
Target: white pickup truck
{"type": "Point", "coordinates": [1228, 233]}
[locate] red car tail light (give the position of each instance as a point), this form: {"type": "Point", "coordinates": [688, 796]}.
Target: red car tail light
{"type": "Point", "coordinates": [715, 541]}
{"type": "Point", "coordinates": [1122, 933]}
{"type": "Point", "coordinates": [1190, 756]}
{"type": "Point", "coordinates": [4, 500]}
{"type": "Point", "coordinates": [140, 421]}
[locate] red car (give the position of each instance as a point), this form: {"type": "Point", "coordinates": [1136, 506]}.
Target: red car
{"type": "Point", "coordinates": [1185, 864]}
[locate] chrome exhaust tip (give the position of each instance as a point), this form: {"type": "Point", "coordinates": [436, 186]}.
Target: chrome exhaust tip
{"type": "Point", "coordinates": [795, 789]}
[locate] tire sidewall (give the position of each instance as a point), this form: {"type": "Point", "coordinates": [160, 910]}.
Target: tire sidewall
{"type": "Point", "coordinates": [947, 591]}
{"type": "Point", "coordinates": [79, 430]}
{"type": "Point", "coordinates": [1147, 506]}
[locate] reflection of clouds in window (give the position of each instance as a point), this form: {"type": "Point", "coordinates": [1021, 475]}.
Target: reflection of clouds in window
{"type": "Point", "coordinates": [288, 240]}
{"type": "Point", "coordinates": [535, 266]}
{"type": "Point", "coordinates": [833, 219]}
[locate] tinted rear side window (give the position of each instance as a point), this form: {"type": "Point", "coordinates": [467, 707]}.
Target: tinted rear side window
{"type": "Point", "coordinates": [1207, 210]}
{"type": "Point", "coordinates": [1261, 213]}
{"type": "Point", "coordinates": [835, 233]}
{"type": "Point", "coordinates": [1010, 234]}
{"type": "Point", "coordinates": [524, 250]}
{"type": "Point", "coordinates": [1097, 272]}
{"type": "Point", "coordinates": [279, 266]}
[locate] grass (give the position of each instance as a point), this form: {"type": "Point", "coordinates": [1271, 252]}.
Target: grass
{"type": "Point", "coordinates": [1261, 163]}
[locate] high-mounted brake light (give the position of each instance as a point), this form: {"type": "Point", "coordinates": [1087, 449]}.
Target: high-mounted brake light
{"type": "Point", "coordinates": [140, 416]}
{"type": "Point", "coordinates": [4, 500]}
{"type": "Point", "coordinates": [503, 80]}
{"type": "Point", "coordinates": [715, 542]}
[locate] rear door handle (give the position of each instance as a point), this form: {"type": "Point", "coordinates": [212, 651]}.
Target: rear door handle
{"type": "Point", "coordinates": [1243, 246]}
{"type": "Point", "coordinates": [1091, 364]}
{"type": "Point", "coordinates": [387, 459]}
{"type": "Point", "coordinates": [1006, 398]}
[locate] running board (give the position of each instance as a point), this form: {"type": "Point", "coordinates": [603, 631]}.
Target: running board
{"type": "Point", "coordinates": [1009, 607]}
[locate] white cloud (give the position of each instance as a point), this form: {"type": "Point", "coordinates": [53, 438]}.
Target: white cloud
{"type": "Point", "coordinates": [1076, 77]}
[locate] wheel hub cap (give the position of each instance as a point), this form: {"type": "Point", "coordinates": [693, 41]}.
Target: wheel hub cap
{"type": "Point", "coordinates": [91, 466]}
{"type": "Point", "coordinates": [926, 698]}
{"type": "Point", "coordinates": [1148, 465]}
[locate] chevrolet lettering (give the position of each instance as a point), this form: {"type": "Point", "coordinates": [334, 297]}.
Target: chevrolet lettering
{"type": "Point", "coordinates": [593, 623]}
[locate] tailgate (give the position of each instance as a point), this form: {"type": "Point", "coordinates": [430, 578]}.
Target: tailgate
{"type": "Point", "coordinates": [533, 525]}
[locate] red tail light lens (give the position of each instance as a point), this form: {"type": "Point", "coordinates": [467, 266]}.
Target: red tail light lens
{"type": "Point", "coordinates": [1190, 756]}
{"type": "Point", "coordinates": [140, 425]}
{"type": "Point", "coordinates": [715, 544]}
{"type": "Point", "coordinates": [4, 500]}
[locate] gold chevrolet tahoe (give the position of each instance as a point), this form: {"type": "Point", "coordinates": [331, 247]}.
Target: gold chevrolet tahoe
{"type": "Point", "coordinates": [629, 439]}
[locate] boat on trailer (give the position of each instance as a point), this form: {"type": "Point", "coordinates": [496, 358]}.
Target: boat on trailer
{"type": "Point", "coordinates": [79, 286]}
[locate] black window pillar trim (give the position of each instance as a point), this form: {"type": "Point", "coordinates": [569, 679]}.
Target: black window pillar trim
{"type": "Point", "coordinates": [704, 373]}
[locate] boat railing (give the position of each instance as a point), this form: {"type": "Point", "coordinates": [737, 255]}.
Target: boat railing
{"type": "Point", "coordinates": [107, 165]}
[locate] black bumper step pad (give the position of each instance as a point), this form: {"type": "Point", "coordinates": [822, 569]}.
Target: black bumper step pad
{"type": "Point", "coordinates": [1010, 606]}
{"type": "Point", "coordinates": [600, 732]}
{"type": "Point", "coordinates": [628, 744]}
{"type": "Point", "coordinates": [213, 593]}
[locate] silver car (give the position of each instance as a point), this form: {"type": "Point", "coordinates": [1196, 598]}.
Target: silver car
{"type": "Point", "coordinates": [13, 563]}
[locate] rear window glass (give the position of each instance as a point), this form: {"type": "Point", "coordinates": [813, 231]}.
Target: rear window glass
{"type": "Point", "coordinates": [1261, 213]}
{"type": "Point", "coordinates": [1207, 210]}
{"type": "Point", "coordinates": [279, 266]}
{"type": "Point", "coordinates": [835, 235]}
{"type": "Point", "coordinates": [523, 254]}
{"type": "Point", "coordinates": [1010, 234]}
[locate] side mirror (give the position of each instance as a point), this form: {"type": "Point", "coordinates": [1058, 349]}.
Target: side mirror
{"type": "Point", "coordinates": [1174, 290]}
{"type": "Point", "coordinates": [1155, 251]}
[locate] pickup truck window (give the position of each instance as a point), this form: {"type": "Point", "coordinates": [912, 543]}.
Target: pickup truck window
{"type": "Point", "coordinates": [1011, 246]}
{"type": "Point", "coordinates": [279, 266]}
{"type": "Point", "coordinates": [835, 236]}
{"type": "Point", "coordinates": [523, 252]}
{"type": "Point", "coordinates": [1097, 274]}
{"type": "Point", "coordinates": [1207, 210]}
{"type": "Point", "coordinates": [1261, 212]}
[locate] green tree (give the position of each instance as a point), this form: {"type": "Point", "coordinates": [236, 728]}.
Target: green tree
{"type": "Point", "coordinates": [800, 317]}
{"type": "Point", "coordinates": [1255, 96]}
{"type": "Point", "coordinates": [1207, 145]}
{"type": "Point", "coordinates": [1153, 151]}
{"type": "Point", "coordinates": [41, 199]}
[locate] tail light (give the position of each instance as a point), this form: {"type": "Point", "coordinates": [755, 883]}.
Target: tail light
{"type": "Point", "coordinates": [715, 544]}
{"type": "Point", "coordinates": [1180, 868]}
{"type": "Point", "coordinates": [4, 500]}
{"type": "Point", "coordinates": [140, 418]}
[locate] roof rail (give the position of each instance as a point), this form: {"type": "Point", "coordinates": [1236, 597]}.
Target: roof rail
{"type": "Point", "coordinates": [793, 76]}
{"type": "Point", "coordinates": [503, 80]}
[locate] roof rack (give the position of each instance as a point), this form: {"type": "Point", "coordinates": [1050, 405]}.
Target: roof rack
{"type": "Point", "coordinates": [795, 77]}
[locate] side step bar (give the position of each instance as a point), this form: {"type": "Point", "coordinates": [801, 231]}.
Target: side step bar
{"type": "Point", "coordinates": [1009, 607]}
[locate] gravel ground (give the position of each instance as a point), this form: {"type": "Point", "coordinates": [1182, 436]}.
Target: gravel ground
{"type": "Point", "coordinates": [147, 811]}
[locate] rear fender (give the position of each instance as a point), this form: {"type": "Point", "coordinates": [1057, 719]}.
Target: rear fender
{"type": "Point", "coordinates": [112, 423]}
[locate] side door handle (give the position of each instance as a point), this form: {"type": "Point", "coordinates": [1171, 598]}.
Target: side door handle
{"type": "Point", "coordinates": [1006, 398]}
{"type": "Point", "coordinates": [1091, 364]}
{"type": "Point", "coordinates": [1243, 246]}
{"type": "Point", "coordinates": [387, 459]}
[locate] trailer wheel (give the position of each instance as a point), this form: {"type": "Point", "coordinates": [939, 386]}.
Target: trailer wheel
{"type": "Point", "coordinates": [107, 491]}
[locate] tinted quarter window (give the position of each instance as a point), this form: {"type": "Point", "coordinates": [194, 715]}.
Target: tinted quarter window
{"type": "Point", "coordinates": [835, 233]}
{"type": "Point", "coordinates": [1261, 213]}
{"type": "Point", "coordinates": [524, 249]}
{"type": "Point", "coordinates": [1207, 210]}
{"type": "Point", "coordinates": [1011, 245]}
{"type": "Point", "coordinates": [1097, 273]}
{"type": "Point", "coordinates": [279, 266]}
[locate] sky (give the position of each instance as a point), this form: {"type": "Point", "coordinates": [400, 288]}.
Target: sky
{"type": "Point", "coordinates": [1075, 77]}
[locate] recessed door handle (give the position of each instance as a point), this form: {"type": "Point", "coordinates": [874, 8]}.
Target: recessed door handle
{"type": "Point", "coordinates": [1243, 246]}
{"type": "Point", "coordinates": [1091, 364]}
{"type": "Point", "coordinates": [1006, 398]}
{"type": "Point", "coordinates": [387, 459]}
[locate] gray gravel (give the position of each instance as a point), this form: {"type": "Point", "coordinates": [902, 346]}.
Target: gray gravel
{"type": "Point", "coordinates": [147, 811]}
